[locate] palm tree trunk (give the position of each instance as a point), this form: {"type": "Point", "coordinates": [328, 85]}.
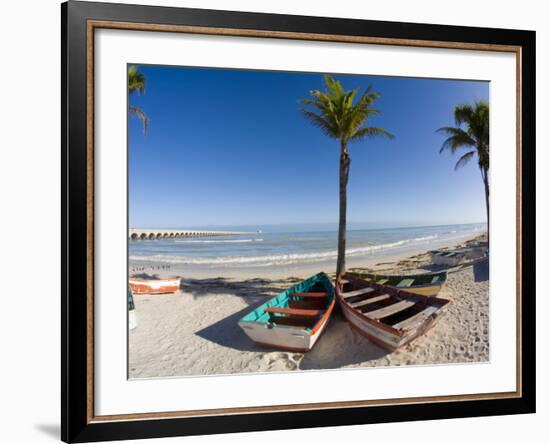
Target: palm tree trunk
{"type": "Point", "coordinates": [344, 172]}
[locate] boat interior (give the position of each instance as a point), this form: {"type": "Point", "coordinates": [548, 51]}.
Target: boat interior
{"type": "Point", "coordinates": [299, 308]}
{"type": "Point", "coordinates": [303, 309]}
{"type": "Point", "coordinates": [387, 305]}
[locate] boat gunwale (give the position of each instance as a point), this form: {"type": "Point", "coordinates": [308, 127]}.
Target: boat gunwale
{"type": "Point", "coordinates": [393, 347]}
{"type": "Point", "coordinates": [411, 276]}
{"type": "Point", "coordinates": [154, 280]}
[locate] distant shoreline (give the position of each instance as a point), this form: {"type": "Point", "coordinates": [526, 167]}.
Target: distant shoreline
{"type": "Point", "coordinates": [301, 270]}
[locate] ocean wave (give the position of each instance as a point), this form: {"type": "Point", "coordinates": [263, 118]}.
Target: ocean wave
{"type": "Point", "coordinates": [278, 259]}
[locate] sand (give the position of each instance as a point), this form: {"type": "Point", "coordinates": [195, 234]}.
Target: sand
{"type": "Point", "coordinates": [195, 331]}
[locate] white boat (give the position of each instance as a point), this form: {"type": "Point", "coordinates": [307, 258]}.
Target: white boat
{"type": "Point", "coordinates": [388, 316]}
{"type": "Point", "coordinates": [458, 256]}
{"type": "Point", "coordinates": [295, 319]}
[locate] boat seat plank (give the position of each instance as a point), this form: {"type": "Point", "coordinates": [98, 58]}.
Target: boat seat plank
{"type": "Point", "coordinates": [390, 309]}
{"type": "Point", "coordinates": [382, 281]}
{"type": "Point", "coordinates": [315, 304]}
{"type": "Point", "coordinates": [418, 318]}
{"type": "Point", "coordinates": [405, 283]}
{"type": "Point", "coordinates": [435, 279]}
{"type": "Point", "coordinates": [370, 300]}
{"type": "Point", "coordinates": [360, 292]}
{"type": "Point", "coordinates": [311, 294]}
{"type": "Point", "coordinates": [295, 312]}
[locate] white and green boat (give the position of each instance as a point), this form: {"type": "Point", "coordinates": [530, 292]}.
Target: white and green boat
{"type": "Point", "coordinates": [295, 319]}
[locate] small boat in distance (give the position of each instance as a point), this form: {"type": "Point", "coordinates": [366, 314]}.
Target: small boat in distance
{"type": "Point", "coordinates": [295, 319]}
{"type": "Point", "coordinates": [389, 317]}
{"type": "Point", "coordinates": [151, 285]}
{"type": "Point", "coordinates": [424, 284]}
{"type": "Point", "coordinates": [452, 258]}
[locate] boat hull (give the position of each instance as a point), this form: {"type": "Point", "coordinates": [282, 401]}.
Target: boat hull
{"type": "Point", "coordinates": [423, 289]}
{"type": "Point", "coordinates": [380, 336]}
{"type": "Point", "coordinates": [428, 290]}
{"type": "Point", "coordinates": [154, 286]}
{"type": "Point", "coordinates": [266, 331]}
{"type": "Point", "coordinates": [452, 258]}
{"type": "Point", "coordinates": [283, 338]}
{"type": "Point", "coordinates": [425, 313]}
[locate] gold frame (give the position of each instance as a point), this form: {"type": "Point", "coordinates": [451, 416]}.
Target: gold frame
{"type": "Point", "coordinates": [92, 25]}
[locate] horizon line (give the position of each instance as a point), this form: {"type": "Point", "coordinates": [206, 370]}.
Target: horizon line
{"type": "Point", "coordinates": [193, 227]}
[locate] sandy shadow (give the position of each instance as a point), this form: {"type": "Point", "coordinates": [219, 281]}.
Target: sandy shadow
{"type": "Point", "coordinates": [433, 268]}
{"type": "Point", "coordinates": [481, 270]}
{"type": "Point", "coordinates": [340, 346]}
{"type": "Point", "coordinates": [246, 289]}
{"type": "Point", "coordinates": [227, 333]}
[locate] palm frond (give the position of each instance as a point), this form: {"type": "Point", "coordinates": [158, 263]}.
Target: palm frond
{"type": "Point", "coordinates": [342, 114]}
{"type": "Point", "coordinates": [464, 159]}
{"type": "Point", "coordinates": [371, 131]}
{"type": "Point", "coordinates": [140, 114]}
{"type": "Point", "coordinates": [136, 80]}
{"type": "Point", "coordinates": [327, 127]}
{"type": "Point", "coordinates": [463, 113]}
{"type": "Point", "coordinates": [334, 86]}
{"type": "Point", "coordinates": [458, 138]}
{"type": "Point", "coordinates": [471, 131]}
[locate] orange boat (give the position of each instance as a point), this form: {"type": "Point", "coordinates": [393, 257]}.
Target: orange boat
{"type": "Point", "coordinates": [154, 286]}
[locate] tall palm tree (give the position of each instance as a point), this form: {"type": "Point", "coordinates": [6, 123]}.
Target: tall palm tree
{"type": "Point", "coordinates": [136, 84]}
{"type": "Point", "coordinates": [471, 133]}
{"type": "Point", "coordinates": [339, 115]}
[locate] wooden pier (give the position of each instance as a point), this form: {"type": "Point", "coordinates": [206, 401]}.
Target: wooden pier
{"type": "Point", "coordinates": [150, 234]}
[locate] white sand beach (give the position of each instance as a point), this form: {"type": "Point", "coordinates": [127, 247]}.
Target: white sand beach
{"type": "Point", "coordinates": [195, 331]}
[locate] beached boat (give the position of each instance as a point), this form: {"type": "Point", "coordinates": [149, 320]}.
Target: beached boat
{"type": "Point", "coordinates": [389, 317]}
{"type": "Point", "coordinates": [141, 285]}
{"type": "Point", "coordinates": [424, 284]}
{"type": "Point", "coordinates": [295, 319]}
{"type": "Point", "coordinates": [132, 318]}
{"type": "Point", "coordinates": [458, 256]}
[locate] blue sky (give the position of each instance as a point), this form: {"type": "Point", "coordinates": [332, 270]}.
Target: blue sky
{"type": "Point", "coordinates": [229, 147]}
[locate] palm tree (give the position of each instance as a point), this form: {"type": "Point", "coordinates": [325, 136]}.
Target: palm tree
{"type": "Point", "coordinates": [136, 84]}
{"type": "Point", "coordinates": [340, 116]}
{"type": "Point", "coordinates": [474, 137]}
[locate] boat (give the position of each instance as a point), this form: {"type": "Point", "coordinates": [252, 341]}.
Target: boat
{"type": "Point", "coordinates": [452, 258]}
{"type": "Point", "coordinates": [388, 316]}
{"type": "Point", "coordinates": [132, 318]}
{"type": "Point", "coordinates": [424, 284]}
{"type": "Point", "coordinates": [295, 319]}
{"type": "Point", "coordinates": [447, 258]}
{"type": "Point", "coordinates": [140, 285]}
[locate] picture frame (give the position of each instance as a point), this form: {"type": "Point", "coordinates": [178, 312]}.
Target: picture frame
{"type": "Point", "coordinates": [80, 21]}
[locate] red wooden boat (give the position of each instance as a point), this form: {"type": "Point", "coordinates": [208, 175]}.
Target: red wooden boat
{"type": "Point", "coordinates": [141, 285]}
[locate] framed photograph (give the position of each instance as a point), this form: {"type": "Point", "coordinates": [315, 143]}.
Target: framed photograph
{"type": "Point", "coordinates": [276, 222]}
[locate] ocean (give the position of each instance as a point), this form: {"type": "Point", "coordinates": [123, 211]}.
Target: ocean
{"type": "Point", "coordinates": [285, 248]}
